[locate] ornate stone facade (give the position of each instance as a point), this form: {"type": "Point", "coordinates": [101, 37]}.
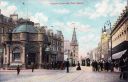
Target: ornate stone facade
{"type": "Point", "coordinates": [26, 45]}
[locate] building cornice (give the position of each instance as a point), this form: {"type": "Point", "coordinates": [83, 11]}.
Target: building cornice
{"type": "Point", "coordinates": [120, 21]}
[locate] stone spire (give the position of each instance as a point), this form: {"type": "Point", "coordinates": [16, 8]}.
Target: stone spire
{"type": "Point", "coordinates": [74, 39]}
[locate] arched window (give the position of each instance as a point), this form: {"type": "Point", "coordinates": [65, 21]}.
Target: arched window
{"type": "Point", "coordinates": [16, 54]}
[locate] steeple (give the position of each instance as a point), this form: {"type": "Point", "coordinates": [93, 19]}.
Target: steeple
{"type": "Point", "coordinates": [74, 39]}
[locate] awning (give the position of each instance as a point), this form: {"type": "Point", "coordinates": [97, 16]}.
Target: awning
{"type": "Point", "coordinates": [118, 55]}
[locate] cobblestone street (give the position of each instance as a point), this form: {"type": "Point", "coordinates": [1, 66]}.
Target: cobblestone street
{"type": "Point", "coordinates": [41, 75]}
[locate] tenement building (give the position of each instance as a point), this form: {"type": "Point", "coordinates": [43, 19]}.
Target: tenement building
{"type": "Point", "coordinates": [26, 45]}
{"type": "Point", "coordinates": [6, 25]}
{"type": "Point", "coordinates": [120, 36]}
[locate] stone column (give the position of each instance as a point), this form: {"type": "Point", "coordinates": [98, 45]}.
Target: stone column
{"type": "Point", "coordinates": [6, 56]}
{"type": "Point", "coordinates": [40, 56]}
{"type": "Point", "coordinates": [23, 55]}
{"type": "Point", "coordinates": [11, 54]}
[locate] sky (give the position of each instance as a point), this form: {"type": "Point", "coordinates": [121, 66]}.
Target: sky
{"type": "Point", "coordinates": [87, 16]}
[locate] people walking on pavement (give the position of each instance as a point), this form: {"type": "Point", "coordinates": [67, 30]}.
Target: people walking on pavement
{"type": "Point", "coordinates": [124, 68]}
{"type": "Point", "coordinates": [18, 70]}
{"type": "Point", "coordinates": [67, 66]}
{"type": "Point", "coordinates": [78, 68]}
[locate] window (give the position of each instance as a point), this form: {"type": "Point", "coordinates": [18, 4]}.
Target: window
{"type": "Point", "coordinates": [16, 54]}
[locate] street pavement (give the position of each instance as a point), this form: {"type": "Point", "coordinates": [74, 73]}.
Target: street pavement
{"type": "Point", "coordinates": [43, 75]}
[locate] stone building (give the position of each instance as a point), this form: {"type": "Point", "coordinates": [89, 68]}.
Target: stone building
{"type": "Point", "coordinates": [25, 45]}
{"type": "Point", "coordinates": [120, 36]}
{"type": "Point", "coordinates": [6, 25]}
{"type": "Point", "coordinates": [67, 49]}
{"type": "Point", "coordinates": [74, 56]}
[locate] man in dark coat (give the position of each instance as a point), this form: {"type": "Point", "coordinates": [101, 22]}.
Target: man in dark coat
{"type": "Point", "coordinates": [18, 70]}
{"type": "Point", "coordinates": [67, 66]}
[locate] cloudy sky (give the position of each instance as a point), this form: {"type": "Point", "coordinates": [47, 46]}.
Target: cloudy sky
{"type": "Point", "coordinates": [88, 16]}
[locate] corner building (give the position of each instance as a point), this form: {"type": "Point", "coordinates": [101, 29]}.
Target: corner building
{"type": "Point", "coordinates": [26, 45]}
{"type": "Point", "coordinates": [120, 36]}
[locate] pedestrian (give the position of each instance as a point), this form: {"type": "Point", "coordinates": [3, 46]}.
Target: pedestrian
{"type": "Point", "coordinates": [107, 66]}
{"type": "Point", "coordinates": [101, 65]}
{"type": "Point", "coordinates": [78, 68]}
{"type": "Point", "coordinates": [18, 70]}
{"type": "Point", "coordinates": [121, 64]}
{"type": "Point", "coordinates": [112, 66]}
{"type": "Point", "coordinates": [96, 66]}
{"type": "Point", "coordinates": [93, 68]}
{"type": "Point", "coordinates": [67, 66]}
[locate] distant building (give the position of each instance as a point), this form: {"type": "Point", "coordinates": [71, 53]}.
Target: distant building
{"type": "Point", "coordinates": [74, 56]}
{"type": "Point", "coordinates": [67, 49]}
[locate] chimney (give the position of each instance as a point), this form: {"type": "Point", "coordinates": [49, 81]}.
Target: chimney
{"type": "Point", "coordinates": [14, 17]}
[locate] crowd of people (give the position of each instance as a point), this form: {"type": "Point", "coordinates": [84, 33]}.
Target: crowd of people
{"type": "Point", "coordinates": [102, 65]}
{"type": "Point", "coordinates": [121, 64]}
{"type": "Point", "coordinates": [96, 66]}
{"type": "Point", "coordinates": [59, 65]}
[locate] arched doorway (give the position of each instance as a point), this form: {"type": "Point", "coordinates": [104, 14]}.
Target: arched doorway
{"type": "Point", "coordinates": [31, 55]}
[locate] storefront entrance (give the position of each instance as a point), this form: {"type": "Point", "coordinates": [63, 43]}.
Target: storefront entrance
{"type": "Point", "coordinates": [31, 59]}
